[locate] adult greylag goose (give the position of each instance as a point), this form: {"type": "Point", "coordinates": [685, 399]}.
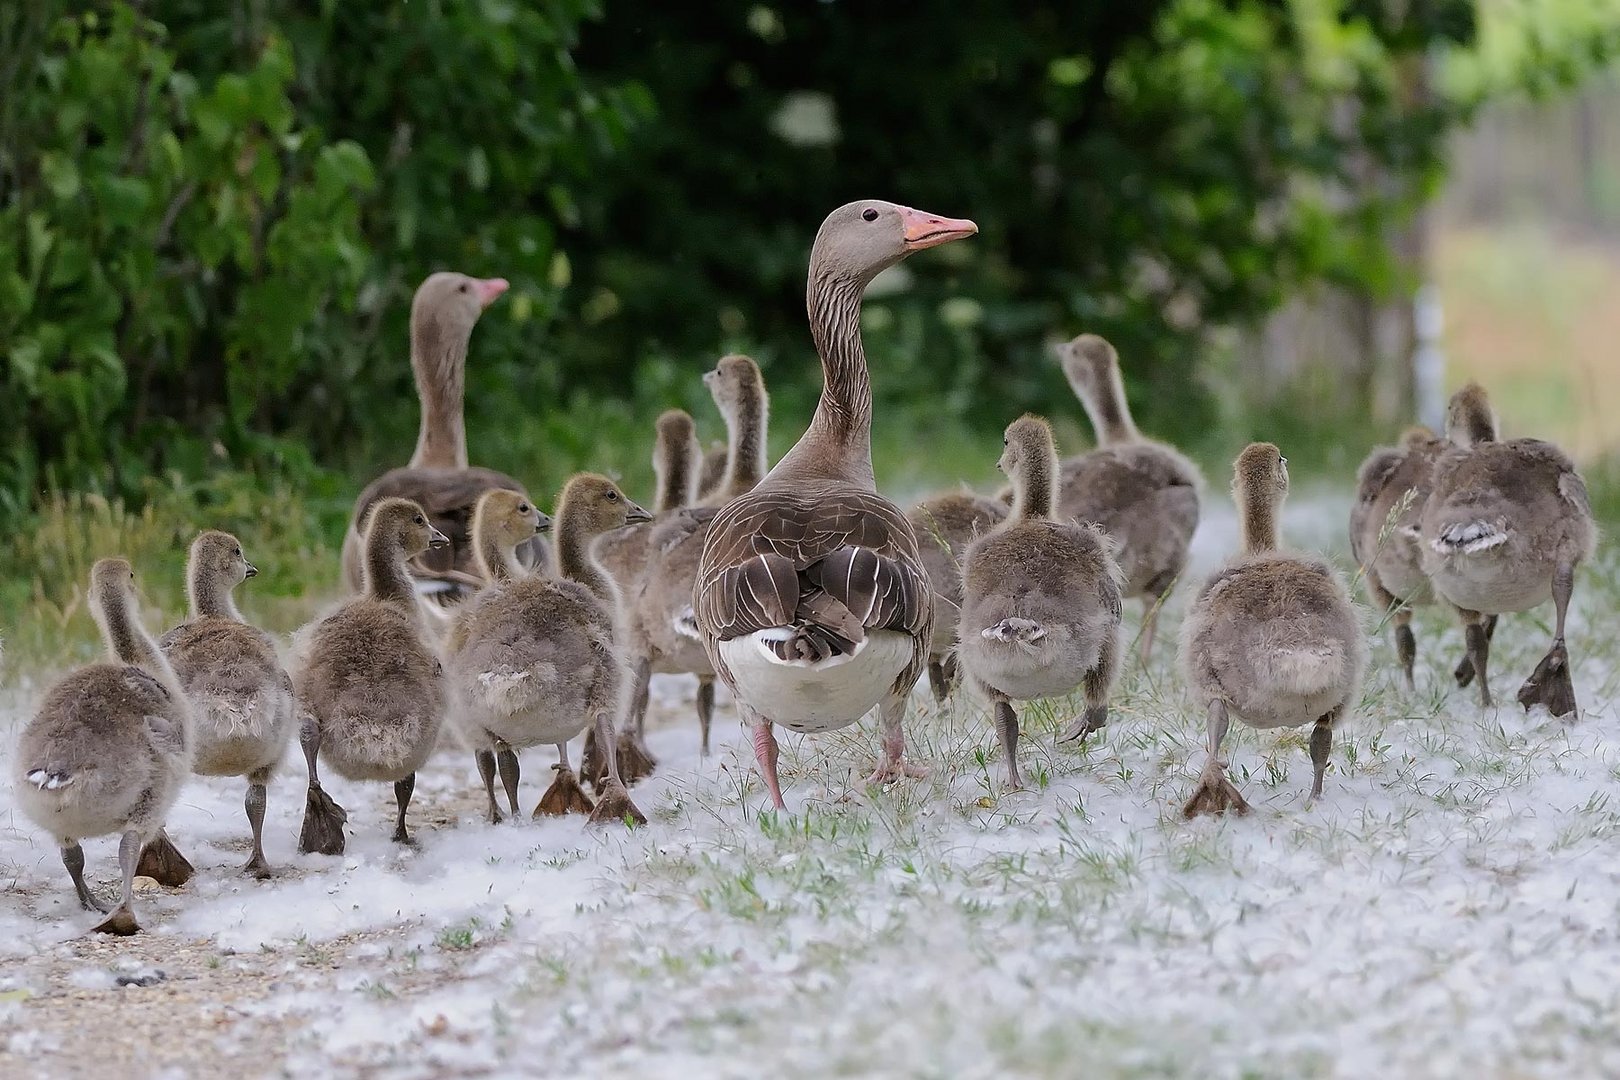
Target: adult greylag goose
{"type": "Point", "coordinates": [369, 679]}
{"type": "Point", "coordinates": [1040, 607]}
{"type": "Point", "coordinates": [108, 752]}
{"type": "Point", "coordinates": [663, 635]}
{"type": "Point", "coordinates": [1392, 487]}
{"type": "Point", "coordinates": [1143, 492]}
{"type": "Point", "coordinates": [241, 698]}
{"type": "Point", "coordinates": [945, 525]}
{"type": "Point", "coordinates": [1272, 637]}
{"type": "Point", "coordinates": [444, 311]}
{"type": "Point", "coordinates": [1505, 527]}
{"type": "Point", "coordinates": [811, 598]}
{"type": "Point", "coordinates": [534, 659]}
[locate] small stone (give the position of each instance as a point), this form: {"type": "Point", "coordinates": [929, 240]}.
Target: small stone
{"type": "Point", "coordinates": [145, 885]}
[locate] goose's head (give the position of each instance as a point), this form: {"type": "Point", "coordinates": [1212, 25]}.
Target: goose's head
{"type": "Point", "coordinates": [734, 380]}
{"type": "Point", "coordinates": [1469, 417]}
{"type": "Point", "coordinates": [1090, 364]}
{"type": "Point", "coordinates": [451, 302]}
{"type": "Point", "coordinates": [217, 556]}
{"type": "Point", "coordinates": [1261, 470]}
{"type": "Point", "coordinates": [591, 504]}
{"type": "Point", "coordinates": [507, 518]}
{"type": "Point", "coordinates": [403, 522]}
{"type": "Point", "coordinates": [861, 239]}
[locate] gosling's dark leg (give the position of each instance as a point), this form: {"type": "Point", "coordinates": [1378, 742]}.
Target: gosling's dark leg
{"type": "Point", "coordinates": [1215, 794]}
{"type": "Point", "coordinates": [1406, 646]}
{"type": "Point", "coordinates": [1479, 650]}
{"type": "Point", "coordinates": [322, 832]}
{"type": "Point", "coordinates": [1157, 591]}
{"type": "Point", "coordinates": [1007, 728]}
{"type": "Point", "coordinates": [486, 772]}
{"type": "Point", "coordinates": [402, 794]}
{"type": "Point", "coordinates": [1465, 667]}
{"type": "Point", "coordinates": [507, 759]}
{"type": "Point", "coordinates": [254, 803]}
{"type": "Point", "coordinates": [73, 859]}
{"type": "Point", "coordinates": [613, 801]}
{"type": "Point", "coordinates": [936, 682]}
{"type": "Point", "coordinates": [1321, 746]}
{"type": "Point", "coordinates": [122, 920]}
{"type": "Point", "coordinates": [1551, 684]}
{"type": "Point", "coordinates": [705, 708]}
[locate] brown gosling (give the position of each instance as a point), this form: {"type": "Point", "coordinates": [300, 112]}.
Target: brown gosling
{"type": "Point", "coordinates": [108, 752]}
{"type": "Point", "coordinates": [369, 680]}
{"type": "Point", "coordinates": [537, 658]}
{"type": "Point", "coordinates": [1040, 599]}
{"type": "Point", "coordinates": [1272, 637]}
{"type": "Point", "coordinates": [1142, 492]}
{"type": "Point", "coordinates": [663, 634]}
{"type": "Point", "coordinates": [1392, 486]}
{"type": "Point", "coordinates": [945, 525]}
{"type": "Point", "coordinates": [241, 698]}
{"type": "Point", "coordinates": [1505, 526]}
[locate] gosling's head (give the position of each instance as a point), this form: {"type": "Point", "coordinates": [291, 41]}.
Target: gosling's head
{"type": "Point", "coordinates": [1090, 364]}
{"type": "Point", "coordinates": [1026, 445]}
{"type": "Point", "coordinates": [675, 440]}
{"type": "Point", "coordinates": [111, 582]}
{"type": "Point", "coordinates": [734, 380]}
{"type": "Point", "coordinates": [1416, 436]}
{"type": "Point", "coordinates": [1261, 470]}
{"type": "Point", "coordinates": [1469, 417]}
{"type": "Point", "coordinates": [450, 303]}
{"type": "Point", "coordinates": [217, 556]}
{"type": "Point", "coordinates": [591, 504]}
{"type": "Point", "coordinates": [507, 518]}
{"type": "Point", "coordinates": [402, 522]}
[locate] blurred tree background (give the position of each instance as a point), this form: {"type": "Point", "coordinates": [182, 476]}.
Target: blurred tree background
{"type": "Point", "coordinates": [212, 215]}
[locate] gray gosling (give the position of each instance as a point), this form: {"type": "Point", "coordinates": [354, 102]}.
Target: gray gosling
{"type": "Point", "coordinates": [1040, 599]}
{"type": "Point", "coordinates": [945, 525]}
{"type": "Point", "coordinates": [1392, 487]}
{"type": "Point", "coordinates": [1272, 637]}
{"type": "Point", "coordinates": [369, 680]}
{"type": "Point", "coordinates": [1142, 492]}
{"type": "Point", "coordinates": [241, 698]}
{"type": "Point", "coordinates": [536, 658]}
{"type": "Point", "coordinates": [1504, 529]}
{"type": "Point", "coordinates": [108, 752]}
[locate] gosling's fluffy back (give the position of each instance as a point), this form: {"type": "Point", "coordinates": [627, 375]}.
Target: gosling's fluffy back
{"type": "Point", "coordinates": [945, 525]}
{"type": "Point", "coordinates": [1145, 495]}
{"type": "Point", "coordinates": [1389, 549]}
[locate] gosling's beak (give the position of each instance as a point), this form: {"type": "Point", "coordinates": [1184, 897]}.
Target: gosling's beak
{"type": "Point", "coordinates": [490, 290]}
{"type": "Point", "coordinates": [437, 539]}
{"type": "Point", "coordinates": [924, 230]}
{"type": "Point", "coordinates": [544, 524]}
{"type": "Point", "coordinates": [634, 514]}
{"type": "Point", "coordinates": [252, 571]}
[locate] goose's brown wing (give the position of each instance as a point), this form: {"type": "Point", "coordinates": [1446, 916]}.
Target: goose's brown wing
{"type": "Point", "coordinates": [835, 562]}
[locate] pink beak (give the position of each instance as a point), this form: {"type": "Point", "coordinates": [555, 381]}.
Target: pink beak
{"type": "Point", "coordinates": [490, 289]}
{"type": "Point", "coordinates": [925, 230]}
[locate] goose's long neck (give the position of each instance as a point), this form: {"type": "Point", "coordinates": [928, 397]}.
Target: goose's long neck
{"type": "Point", "coordinates": [1259, 517]}
{"type": "Point", "coordinates": [838, 443]}
{"type": "Point", "coordinates": [387, 579]}
{"type": "Point", "coordinates": [127, 640]}
{"type": "Point", "coordinates": [210, 597]}
{"type": "Point", "coordinates": [745, 441]}
{"type": "Point", "coordinates": [1035, 487]}
{"type": "Point", "coordinates": [1110, 413]}
{"type": "Point", "coordinates": [439, 360]}
{"type": "Point", "coordinates": [575, 563]}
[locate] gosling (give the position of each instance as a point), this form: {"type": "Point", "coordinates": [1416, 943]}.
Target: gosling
{"type": "Point", "coordinates": [108, 752]}
{"type": "Point", "coordinates": [1504, 529]}
{"type": "Point", "coordinates": [241, 698]}
{"type": "Point", "coordinates": [1040, 599]}
{"type": "Point", "coordinates": [945, 525]}
{"type": "Point", "coordinates": [1272, 637]}
{"type": "Point", "coordinates": [369, 679]}
{"type": "Point", "coordinates": [535, 659]}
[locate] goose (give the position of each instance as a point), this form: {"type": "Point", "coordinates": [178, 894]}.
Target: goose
{"type": "Point", "coordinates": [241, 698]}
{"type": "Point", "coordinates": [1392, 486]}
{"type": "Point", "coordinates": [945, 525]}
{"type": "Point", "coordinates": [811, 599]}
{"type": "Point", "coordinates": [1504, 529]}
{"type": "Point", "coordinates": [369, 680]}
{"type": "Point", "coordinates": [1040, 599]}
{"type": "Point", "coordinates": [444, 311]}
{"type": "Point", "coordinates": [1143, 492]}
{"type": "Point", "coordinates": [663, 634]}
{"type": "Point", "coordinates": [534, 659]}
{"type": "Point", "coordinates": [108, 752]}
{"type": "Point", "coordinates": [1272, 637]}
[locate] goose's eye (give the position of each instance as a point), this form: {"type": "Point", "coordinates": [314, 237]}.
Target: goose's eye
{"type": "Point", "coordinates": [463, 287]}
{"type": "Point", "coordinates": [869, 214]}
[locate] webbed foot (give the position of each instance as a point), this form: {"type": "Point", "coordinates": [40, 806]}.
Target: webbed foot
{"type": "Point", "coordinates": [324, 819]}
{"type": "Point", "coordinates": [614, 806]}
{"type": "Point", "coordinates": [564, 796]}
{"type": "Point", "coordinates": [162, 862]}
{"type": "Point", "coordinates": [1215, 794]}
{"type": "Point", "coordinates": [1550, 684]}
{"type": "Point", "coordinates": [121, 922]}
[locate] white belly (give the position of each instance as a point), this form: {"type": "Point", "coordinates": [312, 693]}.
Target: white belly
{"type": "Point", "coordinates": [830, 695]}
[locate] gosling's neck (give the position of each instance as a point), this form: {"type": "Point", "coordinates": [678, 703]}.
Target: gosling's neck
{"type": "Point", "coordinates": [1258, 508]}
{"type": "Point", "coordinates": [745, 447]}
{"type": "Point", "coordinates": [677, 477]}
{"type": "Point", "coordinates": [1035, 487]}
{"type": "Point", "coordinates": [575, 563]}
{"type": "Point", "coordinates": [210, 597]}
{"type": "Point", "coordinates": [387, 578]}
{"type": "Point", "coordinates": [1109, 411]}
{"type": "Point", "coordinates": [497, 562]}
{"type": "Point", "coordinates": [127, 640]}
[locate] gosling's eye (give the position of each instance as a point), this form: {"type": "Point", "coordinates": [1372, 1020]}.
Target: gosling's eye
{"type": "Point", "coordinates": [238, 553]}
{"type": "Point", "coordinates": [417, 520]}
{"type": "Point", "coordinates": [613, 496]}
{"type": "Point", "coordinates": [869, 214]}
{"type": "Point", "coordinates": [523, 508]}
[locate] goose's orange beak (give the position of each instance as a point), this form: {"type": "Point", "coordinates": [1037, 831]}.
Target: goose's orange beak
{"type": "Point", "coordinates": [924, 230]}
{"type": "Point", "coordinates": [490, 290]}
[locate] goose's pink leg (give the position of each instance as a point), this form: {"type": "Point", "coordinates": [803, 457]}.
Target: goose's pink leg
{"type": "Point", "coordinates": [765, 752]}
